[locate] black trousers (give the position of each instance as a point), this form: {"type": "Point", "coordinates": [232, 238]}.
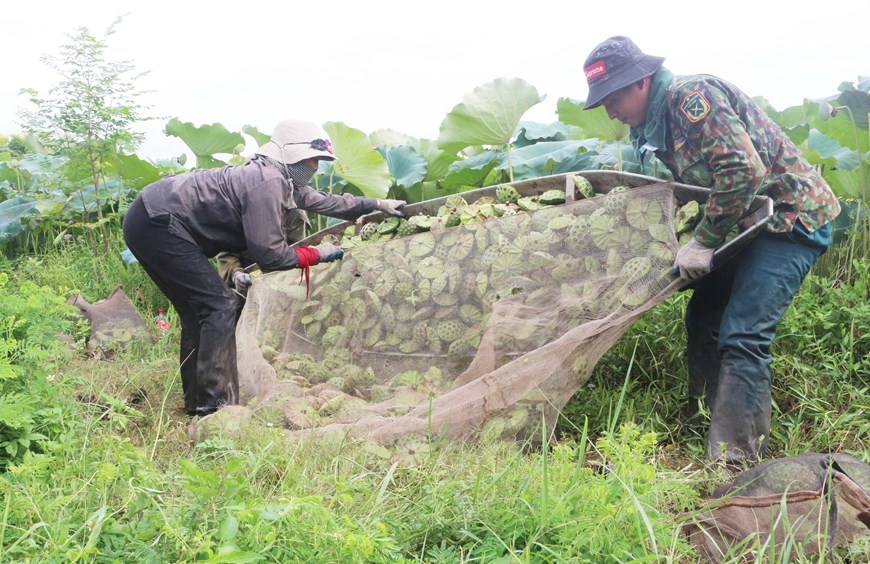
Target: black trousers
{"type": "Point", "coordinates": [205, 305]}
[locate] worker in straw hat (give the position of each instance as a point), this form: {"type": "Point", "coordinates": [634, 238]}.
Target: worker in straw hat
{"type": "Point", "coordinates": [178, 223]}
{"type": "Point", "coordinates": [709, 133]}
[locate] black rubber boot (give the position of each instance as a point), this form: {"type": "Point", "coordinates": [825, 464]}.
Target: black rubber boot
{"type": "Point", "coordinates": [741, 416]}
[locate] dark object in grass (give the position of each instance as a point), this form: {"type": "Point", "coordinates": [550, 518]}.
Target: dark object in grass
{"type": "Point", "coordinates": [810, 502]}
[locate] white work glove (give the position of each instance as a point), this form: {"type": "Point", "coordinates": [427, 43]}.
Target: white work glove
{"type": "Point", "coordinates": [694, 260]}
{"type": "Point", "coordinates": [242, 281]}
{"type": "Point", "coordinates": [327, 252]}
{"type": "Point", "coordinates": [392, 207]}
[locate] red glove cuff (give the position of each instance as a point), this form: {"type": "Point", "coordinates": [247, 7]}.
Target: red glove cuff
{"type": "Point", "coordinates": [307, 256]}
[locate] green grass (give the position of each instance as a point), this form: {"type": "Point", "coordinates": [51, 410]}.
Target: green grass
{"type": "Point", "coordinates": [118, 478]}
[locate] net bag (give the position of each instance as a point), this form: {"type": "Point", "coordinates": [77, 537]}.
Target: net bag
{"type": "Point", "coordinates": [114, 323]}
{"type": "Point", "coordinates": [807, 504]}
{"type": "Point", "coordinates": [484, 324]}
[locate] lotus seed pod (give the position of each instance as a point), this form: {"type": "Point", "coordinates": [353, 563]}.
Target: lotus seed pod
{"type": "Point", "coordinates": [636, 268]}
{"type": "Point", "coordinates": [552, 197]}
{"type": "Point", "coordinates": [529, 203]}
{"type": "Point", "coordinates": [460, 352]}
{"type": "Point", "coordinates": [614, 261]}
{"type": "Point", "coordinates": [659, 232]}
{"type": "Point", "coordinates": [406, 228]}
{"type": "Point", "coordinates": [439, 283]}
{"type": "Point", "coordinates": [450, 329]}
{"type": "Point", "coordinates": [541, 259]}
{"type": "Point", "coordinates": [538, 241]}
{"type": "Point", "coordinates": [616, 200]}
{"type": "Point", "coordinates": [470, 313]}
{"type": "Point", "coordinates": [452, 220]}
{"type": "Point", "coordinates": [419, 332]}
{"type": "Point", "coordinates": [661, 251]}
{"type": "Point", "coordinates": [368, 230]}
{"type": "Point", "coordinates": [507, 263]}
{"type": "Point", "coordinates": [506, 194]}
{"type": "Point", "coordinates": [455, 202]}
{"type": "Point", "coordinates": [422, 222]}
{"type": "Point", "coordinates": [584, 187]}
{"type": "Point", "coordinates": [633, 297]}
{"type": "Point", "coordinates": [687, 217]}
{"type": "Point", "coordinates": [581, 365]}
{"type": "Point", "coordinates": [560, 223]}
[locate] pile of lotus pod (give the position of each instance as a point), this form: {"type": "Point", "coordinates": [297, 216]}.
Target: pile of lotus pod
{"type": "Point", "coordinates": [422, 289]}
{"type": "Point", "coordinates": [430, 283]}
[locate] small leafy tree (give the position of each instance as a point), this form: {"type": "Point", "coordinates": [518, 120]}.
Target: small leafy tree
{"type": "Point", "coordinates": [88, 115]}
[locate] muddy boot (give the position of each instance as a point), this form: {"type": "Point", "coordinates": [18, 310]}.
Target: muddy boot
{"type": "Point", "coordinates": [217, 372]}
{"type": "Point", "coordinates": [702, 360]}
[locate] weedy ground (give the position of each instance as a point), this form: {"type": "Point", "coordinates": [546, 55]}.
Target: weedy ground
{"type": "Point", "coordinates": [108, 473]}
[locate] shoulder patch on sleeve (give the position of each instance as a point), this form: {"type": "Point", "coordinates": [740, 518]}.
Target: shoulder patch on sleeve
{"type": "Point", "coordinates": [695, 106]}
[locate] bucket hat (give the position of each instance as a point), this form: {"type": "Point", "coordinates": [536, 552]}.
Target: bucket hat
{"type": "Point", "coordinates": [294, 141]}
{"type": "Point", "coordinates": [614, 64]}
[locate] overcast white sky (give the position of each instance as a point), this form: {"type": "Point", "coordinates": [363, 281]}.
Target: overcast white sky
{"type": "Point", "coordinates": [403, 65]}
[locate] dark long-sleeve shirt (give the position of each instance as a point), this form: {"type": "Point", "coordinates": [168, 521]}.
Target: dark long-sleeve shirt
{"type": "Point", "coordinates": [240, 209]}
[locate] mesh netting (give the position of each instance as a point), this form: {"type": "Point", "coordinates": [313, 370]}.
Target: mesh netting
{"type": "Point", "coordinates": [485, 328]}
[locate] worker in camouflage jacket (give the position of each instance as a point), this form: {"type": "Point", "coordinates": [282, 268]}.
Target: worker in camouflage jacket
{"type": "Point", "coordinates": [710, 134]}
{"type": "Point", "coordinates": [178, 223]}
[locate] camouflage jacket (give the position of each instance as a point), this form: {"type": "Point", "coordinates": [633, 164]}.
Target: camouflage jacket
{"type": "Point", "coordinates": [719, 138]}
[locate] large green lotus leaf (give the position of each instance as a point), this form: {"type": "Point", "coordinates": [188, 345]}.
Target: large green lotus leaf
{"type": "Point", "coordinates": [357, 161]}
{"type": "Point", "coordinates": [205, 140]}
{"type": "Point", "coordinates": [489, 115]}
{"type": "Point", "coordinates": [406, 165]}
{"type": "Point", "coordinates": [87, 198]}
{"type": "Point", "coordinates": [593, 123]}
{"type": "Point", "coordinates": [391, 138]}
{"type": "Point", "coordinates": [554, 157]}
{"type": "Point", "coordinates": [792, 116]}
{"type": "Point", "coordinates": [859, 103]}
{"type": "Point", "coordinates": [438, 161]}
{"type": "Point", "coordinates": [259, 137]}
{"type": "Point", "coordinates": [50, 207]}
{"type": "Point", "coordinates": [842, 128]}
{"type": "Point", "coordinates": [10, 176]}
{"type": "Point", "coordinates": [622, 156]}
{"type": "Point", "coordinates": [11, 212]}
{"type": "Point", "coordinates": [851, 183]}
{"type": "Point", "coordinates": [532, 132]}
{"type": "Point", "coordinates": [825, 150]}
{"type": "Point", "coordinates": [135, 171]}
{"type": "Point", "coordinates": [41, 166]}
{"type": "Point", "coordinates": [471, 171]}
